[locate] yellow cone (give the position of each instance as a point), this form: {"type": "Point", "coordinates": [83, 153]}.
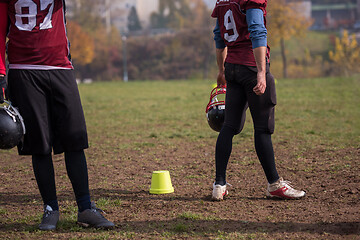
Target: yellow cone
{"type": "Point", "coordinates": [161, 183]}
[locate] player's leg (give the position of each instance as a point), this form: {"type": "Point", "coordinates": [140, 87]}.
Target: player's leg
{"type": "Point", "coordinates": [27, 91]}
{"type": "Point", "coordinates": [45, 178]}
{"type": "Point", "coordinates": [235, 108]}
{"type": "Point", "coordinates": [76, 168]}
{"type": "Point", "coordinates": [70, 136]}
{"type": "Point", "coordinates": [234, 114]}
{"type": "Point", "coordinates": [262, 111]}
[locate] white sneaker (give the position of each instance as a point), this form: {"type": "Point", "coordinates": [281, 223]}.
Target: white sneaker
{"type": "Point", "coordinates": [219, 192]}
{"type": "Point", "coordinates": [283, 189]}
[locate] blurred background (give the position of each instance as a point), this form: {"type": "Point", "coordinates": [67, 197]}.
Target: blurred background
{"type": "Point", "coordinates": [128, 40]}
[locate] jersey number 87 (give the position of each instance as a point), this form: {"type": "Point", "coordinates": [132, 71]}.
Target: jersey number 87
{"type": "Point", "coordinates": [27, 11]}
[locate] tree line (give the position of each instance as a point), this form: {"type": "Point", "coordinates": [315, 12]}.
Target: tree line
{"type": "Point", "coordinates": [179, 43]}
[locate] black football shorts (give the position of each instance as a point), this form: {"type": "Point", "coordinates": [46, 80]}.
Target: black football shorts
{"type": "Point", "coordinates": [240, 81]}
{"type": "Point", "coordinates": [50, 105]}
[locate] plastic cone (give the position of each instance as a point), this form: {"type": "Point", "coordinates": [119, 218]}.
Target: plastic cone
{"type": "Point", "coordinates": [161, 183]}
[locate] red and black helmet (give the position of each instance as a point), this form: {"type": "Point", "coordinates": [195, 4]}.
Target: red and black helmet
{"type": "Point", "coordinates": [215, 110]}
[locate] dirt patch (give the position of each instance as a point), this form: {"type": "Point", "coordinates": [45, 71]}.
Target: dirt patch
{"type": "Point", "coordinates": [330, 177]}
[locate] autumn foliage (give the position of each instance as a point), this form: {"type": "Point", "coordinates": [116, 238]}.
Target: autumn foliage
{"type": "Point", "coordinates": [285, 22]}
{"type": "Point", "coordinates": [346, 55]}
{"type": "Point", "coordinates": [179, 44]}
{"type": "Point", "coordinates": [82, 44]}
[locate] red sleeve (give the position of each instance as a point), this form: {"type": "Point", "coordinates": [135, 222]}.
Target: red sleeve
{"type": "Point", "coordinates": [3, 33]}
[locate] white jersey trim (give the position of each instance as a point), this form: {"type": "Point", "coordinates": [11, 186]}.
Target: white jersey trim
{"type": "Point", "coordinates": [35, 67]}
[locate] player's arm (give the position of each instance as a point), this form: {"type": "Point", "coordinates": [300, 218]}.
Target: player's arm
{"type": "Point", "coordinates": [3, 33]}
{"type": "Point", "coordinates": [221, 52]}
{"type": "Point", "coordinates": [258, 36]}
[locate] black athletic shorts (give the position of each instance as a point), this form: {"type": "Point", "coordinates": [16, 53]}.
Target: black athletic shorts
{"type": "Point", "coordinates": [50, 105]}
{"type": "Point", "coordinates": [240, 81]}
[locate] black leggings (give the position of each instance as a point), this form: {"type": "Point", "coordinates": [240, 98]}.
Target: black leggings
{"type": "Point", "coordinates": [77, 171]}
{"type": "Point", "coordinates": [240, 81]}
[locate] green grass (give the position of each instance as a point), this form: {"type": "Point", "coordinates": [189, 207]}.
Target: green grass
{"type": "Point", "coordinates": [141, 116]}
{"type": "Point", "coordinates": [318, 43]}
{"type": "Point", "coordinates": [317, 111]}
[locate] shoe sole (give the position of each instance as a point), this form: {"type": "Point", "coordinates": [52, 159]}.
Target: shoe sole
{"type": "Point", "coordinates": [217, 199]}
{"type": "Point", "coordinates": [86, 225]}
{"type": "Point", "coordinates": [269, 196]}
{"type": "Point", "coordinates": [47, 229]}
{"type": "Point", "coordinates": [220, 199]}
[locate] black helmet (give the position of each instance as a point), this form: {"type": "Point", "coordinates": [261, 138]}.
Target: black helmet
{"type": "Point", "coordinates": [12, 127]}
{"type": "Point", "coordinates": [215, 110]}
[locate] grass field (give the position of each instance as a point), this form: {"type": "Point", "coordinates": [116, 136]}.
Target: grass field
{"type": "Point", "coordinates": [137, 127]}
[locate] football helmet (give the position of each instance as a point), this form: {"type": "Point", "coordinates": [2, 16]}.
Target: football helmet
{"type": "Point", "coordinates": [12, 128]}
{"type": "Point", "coordinates": [215, 109]}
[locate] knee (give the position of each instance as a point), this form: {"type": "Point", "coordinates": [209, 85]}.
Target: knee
{"type": "Point", "coordinates": [262, 130]}
{"type": "Point", "coordinates": [239, 129]}
{"type": "Point", "coordinates": [230, 130]}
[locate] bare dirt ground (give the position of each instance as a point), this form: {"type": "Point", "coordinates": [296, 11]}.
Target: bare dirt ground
{"type": "Point", "coordinates": [331, 209]}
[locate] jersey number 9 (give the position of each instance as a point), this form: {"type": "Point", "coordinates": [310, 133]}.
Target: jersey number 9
{"type": "Point", "coordinates": [229, 23]}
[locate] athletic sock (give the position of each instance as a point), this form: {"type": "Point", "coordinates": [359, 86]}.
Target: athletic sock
{"type": "Point", "coordinates": [77, 171]}
{"type": "Point", "coordinates": [265, 153]}
{"type": "Point", "coordinates": [83, 203]}
{"type": "Point", "coordinates": [222, 153]}
{"type": "Point", "coordinates": [45, 178]}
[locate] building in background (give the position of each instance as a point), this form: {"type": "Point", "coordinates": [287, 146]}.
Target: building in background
{"type": "Point", "coordinates": [120, 10]}
{"type": "Point", "coordinates": [210, 3]}
{"type": "Point", "coordinates": [144, 9]}
{"type": "Point", "coordinates": [329, 15]}
{"type": "Point", "coordinates": [116, 12]}
{"type": "Point", "coordinates": [326, 15]}
{"type": "Point", "coordinates": [302, 6]}
{"type": "Point", "coordinates": [335, 15]}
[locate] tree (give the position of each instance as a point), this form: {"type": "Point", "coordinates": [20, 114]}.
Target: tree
{"type": "Point", "coordinates": [107, 51]}
{"type": "Point", "coordinates": [286, 21]}
{"type": "Point", "coordinates": [200, 17]}
{"type": "Point", "coordinates": [133, 20]}
{"type": "Point", "coordinates": [82, 45]}
{"type": "Point", "coordinates": [107, 40]}
{"type": "Point", "coordinates": [172, 14]}
{"type": "Point", "coordinates": [86, 14]}
{"type": "Point", "coordinates": [346, 55]}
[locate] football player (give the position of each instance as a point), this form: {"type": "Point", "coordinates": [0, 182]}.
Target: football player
{"type": "Point", "coordinates": [42, 86]}
{"type": "Point", "coordinates": [243, 60]}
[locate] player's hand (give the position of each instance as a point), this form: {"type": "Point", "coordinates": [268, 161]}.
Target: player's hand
{"type": "Point", "coordinates": [3, 88]}
{"type": "Point", "coordinates": [221, 79]}
{"type": "Point", "coordinates": [260, 87]}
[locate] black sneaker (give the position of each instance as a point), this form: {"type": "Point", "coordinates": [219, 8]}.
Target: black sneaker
{"type": "Point", "coordinates": [50, 219]}
{"type": "Point", "coordinates": [93, 218]}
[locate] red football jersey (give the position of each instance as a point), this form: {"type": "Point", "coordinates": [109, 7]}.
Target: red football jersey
{"type": "Point", "coordinates": [37, 35]}
{"type": "Point", "coordinates": [231, 15]}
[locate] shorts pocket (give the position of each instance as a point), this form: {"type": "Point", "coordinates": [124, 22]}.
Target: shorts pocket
{"type": "Point", "coordinates": [271, 85]}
